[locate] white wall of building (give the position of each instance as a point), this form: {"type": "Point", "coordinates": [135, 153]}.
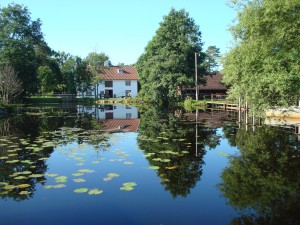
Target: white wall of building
{"type": "Point", "coordinates": [119, 89]}
{"type": "Point", "coordinates": [115, 111]}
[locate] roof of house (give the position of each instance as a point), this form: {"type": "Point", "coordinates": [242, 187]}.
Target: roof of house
{"type": "Point", "coordinates": [119, 73]}
{"type": "Point", "coordinates": [121, 125]}
{"type": "Point", "coordinates": [213, 82]}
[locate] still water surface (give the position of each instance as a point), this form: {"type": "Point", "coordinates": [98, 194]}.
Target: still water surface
{"type": "Point", "coordinates": [115, 165]}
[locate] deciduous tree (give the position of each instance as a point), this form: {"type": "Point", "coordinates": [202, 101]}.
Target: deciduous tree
{"type": "Point", "coordinates": [168, 60]}
{"type": "Point", "coordinates": [19, 35]}
{"type": "Point", "coordinates": [10, 85]}
{"type": "Point", "coordinates": [264, 64]}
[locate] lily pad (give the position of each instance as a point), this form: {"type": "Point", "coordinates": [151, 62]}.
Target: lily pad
{"type": "Point", "coordinates": [156, 159]}
{"type": "Point", "coordinates": [20, 178]}
{"type": "Point", "coordinates": [61, 179]}
{"type": "Point", "coordinates": [79, 180]}
{"type": "Point", "coordinates": [153, 167]}
{"type": "Point", "coordinates": [12, 161]}
{"type": "Point", "coordinates": [23, 185]}
{"type": "Point", "coordinates": [111, 175]}
{"type": "Point", "coordinates": [26, 172]}
{"type": "Point", "coordinates": [86, 171]}
{"type": "Point", "coordinates": [77, 174]}
{"type": "Point", "coordinates": [171, 167]}
{"type": "Point", "coordinates": [55, 186]}
{"type": "Point", "coordinates": [36, 175]}
{"type": "Point", "coordinates": [166, 160]}
{"type": "Point", "coordinates": [25, 193]}
{"type": "Point", "coordinates": [3, 183]}
{"type": "Point", "coordinates": [9, 187]}
{"type": "Point", "coordinates": [128, 163]}
{"type": "Point", "coordinates": [95, 192]}
{"type": "Point", "coordinates": [130, 184]}
{"type": "Point", "coordinates": [126, 188]}
{"type": "Point", "coordinates": [4, 157]}
{"type": "Point", "coordinates": [81, 190]}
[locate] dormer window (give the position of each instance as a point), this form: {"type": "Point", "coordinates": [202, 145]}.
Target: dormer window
{"type": "Point", "coordinates": [120, 71]}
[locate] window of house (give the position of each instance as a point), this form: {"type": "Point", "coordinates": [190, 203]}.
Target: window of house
{"type": "Point", "coordinates": [128, 115]}
{"type": "Point", "coordinates": [108, 83]}
{"type": "Point", "coordinates": [109, 115]}
{"type": "Point", "coordinates": [128, 82]}
{"type": "Point", "coordinates": [128, 93]}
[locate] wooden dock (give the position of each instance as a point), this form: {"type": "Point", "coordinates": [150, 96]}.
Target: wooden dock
{"type": "Point", "coordinates": [222, 105]}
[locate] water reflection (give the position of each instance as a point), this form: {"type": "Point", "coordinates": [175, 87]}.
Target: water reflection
{"type": "Point", "coordinates": [170, 144]}
{"type": "Point", "coordinates": [263, 181]}
{"type": "Point", "coordinates": [27, 141]}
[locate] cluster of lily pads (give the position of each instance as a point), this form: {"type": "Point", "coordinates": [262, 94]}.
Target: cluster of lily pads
{"type": "Point", "coordinates": [62, 140]}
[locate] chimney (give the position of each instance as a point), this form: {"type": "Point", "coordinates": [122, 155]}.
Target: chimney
{"type": "Point", "coordinates": [107, 63]}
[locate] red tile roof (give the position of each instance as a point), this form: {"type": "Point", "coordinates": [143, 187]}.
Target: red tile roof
{"type": "Point", "coordinates": [213, 82]}
{"type": "Point", "coordinates": [121, 125]}
{"type": "Point", "coordinates": [112, 73]}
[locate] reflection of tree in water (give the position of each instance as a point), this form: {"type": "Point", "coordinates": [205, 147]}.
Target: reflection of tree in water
{"type": "Point", "coordinates": [265, 177]}
{"type": "Point", "coordinates": [27, 142]}
{"type": "Point", "coordinates": [20, 157]}
{"type": "Point", "coordinates": [169, 143]}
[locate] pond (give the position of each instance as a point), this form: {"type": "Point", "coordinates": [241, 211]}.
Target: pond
{"type": "Point", "coordinates": [115, 164]}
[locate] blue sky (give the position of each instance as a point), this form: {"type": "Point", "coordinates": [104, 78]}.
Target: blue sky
{"type": "Point", "coordinates": [122, 28]}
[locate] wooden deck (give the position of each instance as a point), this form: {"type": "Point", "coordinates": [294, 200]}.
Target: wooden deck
{"type": "Point", "coordinates": [222, 105]}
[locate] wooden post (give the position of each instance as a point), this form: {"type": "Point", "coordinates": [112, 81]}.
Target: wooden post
{"type": "Point", "coordinates": [246, 112]}
{"type": "Point", "coordinates": [196, 132]}
{"type": "Point", "coordinates": [240, 110]}
{"type": "Point", "coordinates": [253, 123]}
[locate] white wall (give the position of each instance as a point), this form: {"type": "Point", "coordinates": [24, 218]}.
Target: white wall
{"type": "Point", "coordinates": [119, 89]}
{"type": "Point", "coordinates": [119, 111]}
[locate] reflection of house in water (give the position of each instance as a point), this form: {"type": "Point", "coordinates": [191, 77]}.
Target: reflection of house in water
{"type": "Point", "coordinates": [115, 118]}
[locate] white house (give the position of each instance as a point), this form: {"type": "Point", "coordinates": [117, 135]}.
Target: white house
{"type": "Point", "coordinates": [114, 82]}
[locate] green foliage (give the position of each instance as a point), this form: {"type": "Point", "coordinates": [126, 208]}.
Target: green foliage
{"type": "Point", "coordinates": [168, 60]}
{"type": "Point", "coordinates": [47, 79]}
{"type": "Point", "coordinates": [265, 176]}
{"type": "Point", "coordinates": [188, 104]}
{"type": "Point", "coordinates": [264, 64]}
{"type": "Point", "coordinates": [211, 62]}
{"type": "Point", "coordinates": [19, 36]}
{"type": "Point", "coordinates": [74, 72]}
{"type": "Point", "coordinates": [96, 61]}
{"type": "Point", "coordinates": [169, 144]}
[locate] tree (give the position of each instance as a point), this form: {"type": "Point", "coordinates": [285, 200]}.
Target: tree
{"type": "Point", "coordinates": [66, 64]}
{"type": "Point", "coordinates": [95, 62]}
{"type": "Point", "coordinates": [19, 36]}
{"type": "Point", "coordinates": [264, 177]}
{"type": "Point", "coordinates": [75, 73]}
{"type": "Point", "coordinates": [47, 79]}
{"type": "Point", "coordinates": [168, 60]}
{"type": "Point", "coordinates": [83, 77]}
{"type": "Point", "coordinates": [263, 66]}
{"type": "Point", "coordinates": [211, 62]}
{"type": "Point", "coordinates": [10, 85]}
{"type": "Point", "coordinates": [164, 139]}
